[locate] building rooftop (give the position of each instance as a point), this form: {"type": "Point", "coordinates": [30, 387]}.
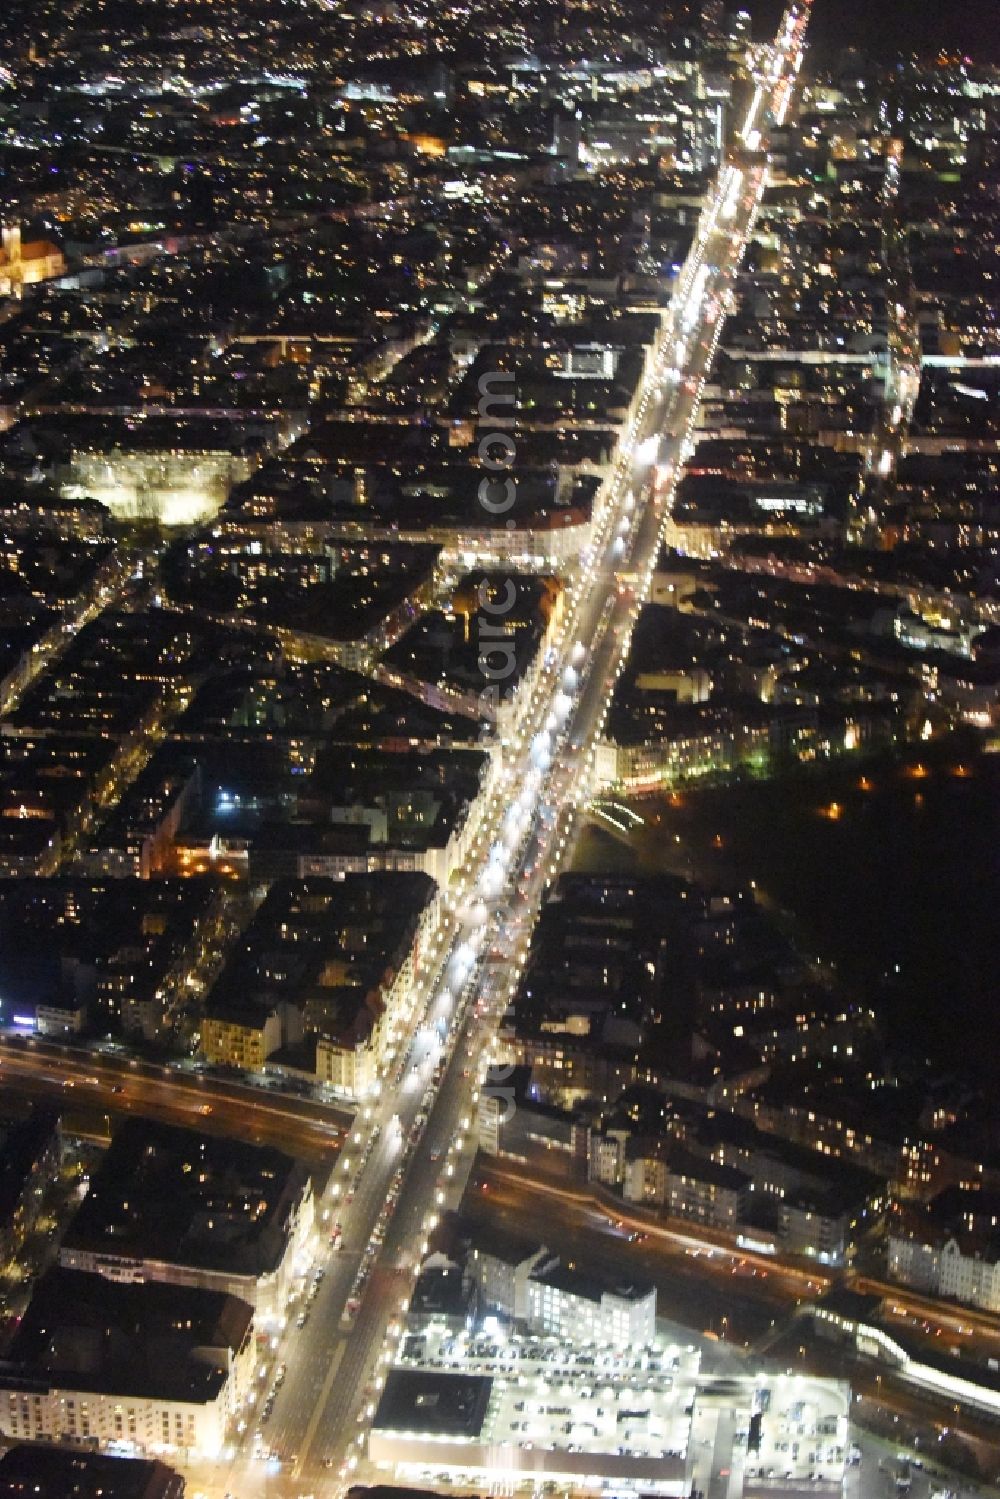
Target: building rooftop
{"type": "Point", "coordinates": [447, 1405]}
{"type": "Point", "coordinates": [493, 1239]}
{"type": "Point", "coordinates": [589, 1286]}
{"type": "Point", "coordinates": [147, 1340]}
{"type": "Point", "coordinates": [28, 1471]}
{"type": "Point", "coordinates": [702, 1169]}
{"type": "Point", "coordinates": [174, 1195]}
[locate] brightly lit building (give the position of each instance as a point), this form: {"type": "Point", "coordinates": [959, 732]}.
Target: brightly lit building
{"type": "Point", "coordinates": [142, 1369]}
{"type": "Point", "coordinates": [514, 1411]}
{"type": "Point", "coordinates": [26, 262]}
{"type": "Point", "coordinates": [523, 1410]}
{"type": "Point", "coordinates": [173, 487]}
{"type": "Point", "coordinates": [582, 1308]}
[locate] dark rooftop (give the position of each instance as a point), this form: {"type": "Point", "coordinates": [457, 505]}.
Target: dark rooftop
{"type": "Point", "coordinates": [83, 1332]}
{"type": "Point", "coordinates": [451, 1405]}
{"type": "Point", "coordinates": [172, 1194]}
{"type": "Point", "coordinates": [30, 1472]}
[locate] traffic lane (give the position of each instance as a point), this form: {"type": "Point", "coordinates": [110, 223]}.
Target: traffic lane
{"type": "Point", "coordinates": [313, 1423]}
{"type": "Point", "coordinates": [521, 761]}
{"type": "Point", "coordinates": [224, 1114]}
{"type": "Point", "coordinates": [335, 1412]}
{"type": "Point", "coordinates": [310, 1349]}
{"type": "Point", "coordinates": [422, 1183]}
{"type": "Point", "coordinates": [306, 1351]}
{"type": "Point", "coordinates": [416, 1187]}
{"type": "Point", "coordinates": [974, 1327]}
{"type": "Point", "coordinates": [692, 1238]}
{"type": "Point", "coordinates": [338, 1410]}
{"type": "Point", "coordinates": [340, 1432]}
{"type": "Point", "coordinates": [97, 1107]}
{"type": "Point", "coordinates": [696, 1292]}
{"type": "Point", "coordinates": [722, 1455]}
{"type": "Point", "coordinates": [938, 1334]}
{"type": "Point", "coordinates": [310, 1354]}
{"type": "Point", "coordinates": [312, 1346]}
{"type": "Point", "coordinates": [95, 1071]}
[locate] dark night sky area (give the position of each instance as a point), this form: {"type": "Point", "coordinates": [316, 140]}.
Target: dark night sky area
{"type": "Point", "coordinates": [886, 27]}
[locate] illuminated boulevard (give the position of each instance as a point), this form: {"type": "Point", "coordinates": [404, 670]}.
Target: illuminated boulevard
{"type": "Point", "coordinates": [410, 1151]}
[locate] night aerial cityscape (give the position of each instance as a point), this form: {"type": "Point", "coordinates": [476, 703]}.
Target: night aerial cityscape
{"type": "Point", "coordinates": [499, 749]}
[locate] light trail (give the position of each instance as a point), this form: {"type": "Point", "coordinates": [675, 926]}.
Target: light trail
{"type": "Point", "coordinates": [389, 1188]}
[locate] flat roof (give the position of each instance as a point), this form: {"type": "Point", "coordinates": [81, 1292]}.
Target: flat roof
{"type": "Point", "coordinates": [57, 1473]}
{"type": "Point", "coordinates": [499, 1242]}
{"type": "Point", "coordinates": [144, 1340]}
{"type": "Point", "coordinates": [167, 1193]}
{"type": "Point", "coordinates": [443, 1404]}
{"type": "Point", "coordinates": [551, 1408]}
{"type": "Point", "coordinates": [589, 1285]}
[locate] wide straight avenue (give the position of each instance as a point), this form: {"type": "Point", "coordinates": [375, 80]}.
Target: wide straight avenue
{"type": "Point", "coordinates": [411, 1148]}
